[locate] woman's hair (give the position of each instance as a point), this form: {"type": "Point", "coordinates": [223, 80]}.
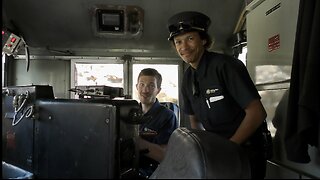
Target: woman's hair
{"type": "Point", "coordinates": [207, 37]}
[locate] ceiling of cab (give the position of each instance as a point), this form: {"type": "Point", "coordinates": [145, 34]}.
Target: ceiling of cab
{"type": "Point", "coordinates": [67, 24]}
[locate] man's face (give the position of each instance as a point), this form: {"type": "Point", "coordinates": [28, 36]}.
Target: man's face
{"type": "Point", "coordinates": [147, 89]}
{"type": "Point", "coordinates": [190, 47]}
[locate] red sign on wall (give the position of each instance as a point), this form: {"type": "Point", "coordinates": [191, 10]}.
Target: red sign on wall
{"type": "Point", "coordinates": [274, 43]}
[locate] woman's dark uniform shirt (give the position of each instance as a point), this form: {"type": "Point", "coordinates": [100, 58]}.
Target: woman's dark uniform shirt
{"type": "Point", "coordinates": [217, 92]}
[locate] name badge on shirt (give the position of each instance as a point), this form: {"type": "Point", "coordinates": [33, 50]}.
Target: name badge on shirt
{"type": "Point", "coordinates": [215, 98]}
{"type": "Point", "coordinates": [211, 91]}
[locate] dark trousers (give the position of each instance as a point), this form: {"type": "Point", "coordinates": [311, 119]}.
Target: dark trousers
{"type": "Point", "coordinates": [258, 163]}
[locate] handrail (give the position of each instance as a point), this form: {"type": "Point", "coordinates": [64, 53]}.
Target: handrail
{"type": "Point", "coordinates": [279, 164]}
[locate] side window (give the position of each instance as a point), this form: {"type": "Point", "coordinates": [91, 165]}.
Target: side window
{"type": "Point", "coordinates": [243, 55]}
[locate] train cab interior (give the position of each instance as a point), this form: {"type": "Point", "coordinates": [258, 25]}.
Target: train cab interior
{"type": "Point", "coordinates": [70, 107]}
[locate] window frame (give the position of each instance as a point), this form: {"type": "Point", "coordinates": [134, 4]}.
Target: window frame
{"type": "Point", "coordinates": [128, 68]}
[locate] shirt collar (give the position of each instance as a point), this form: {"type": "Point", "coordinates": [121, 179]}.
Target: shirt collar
{"type": "Point", "coordinates": [201, 70]}
{"type": "Point", "coordinates": [153, 108]}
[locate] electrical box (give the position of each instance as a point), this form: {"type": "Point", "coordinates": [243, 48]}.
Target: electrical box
{"type": "Point", "coordinates": [118, 21]}
{"type": "Point", "coordinates": [10, 42]}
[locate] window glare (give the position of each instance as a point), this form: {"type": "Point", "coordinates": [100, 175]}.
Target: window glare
{"type": "Point", "coordinates": [243, 56]}
{"type": "Point", "coordinates": [169, 86]}
{"type": "Point", "coordinates": [99, 74]}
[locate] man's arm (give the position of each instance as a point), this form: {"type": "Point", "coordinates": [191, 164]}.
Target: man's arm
{"type": "Point", "coordinates": [255, 114]}
{"type": "Point", "coordinates": [195, 123]}
{"type": "Point", "coordinates": [155, 151]}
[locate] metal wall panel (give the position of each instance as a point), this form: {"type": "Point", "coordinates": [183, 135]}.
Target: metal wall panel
{"type": "Point", "coordinates": [271, 29]}
{"type": "Point", "coordinates": [55, 73]}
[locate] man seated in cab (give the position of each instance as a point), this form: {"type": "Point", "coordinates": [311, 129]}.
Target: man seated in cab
{"type": "Point", "coordinates": [155, 133]}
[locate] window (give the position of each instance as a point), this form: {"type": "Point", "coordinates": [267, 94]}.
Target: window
{"type": "Point", "coordinates": [115, 73]}
{"type": "Point", "coordinates": [243, 55]}
{"type": "Point", "coordinates": [98, 74]}
{"type": "Point", "coordinates": [92, 72]}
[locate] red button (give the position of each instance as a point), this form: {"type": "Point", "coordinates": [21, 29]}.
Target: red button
{"type": "Point", "coordinates": [13, 39]}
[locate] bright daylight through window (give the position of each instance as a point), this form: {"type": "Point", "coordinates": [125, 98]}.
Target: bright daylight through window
{"type": "Point", "coordinates": [94, 74]}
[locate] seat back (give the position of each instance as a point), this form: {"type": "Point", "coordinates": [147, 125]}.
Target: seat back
{"type": "Point", "coordinates": [174, 107]}
{"type": "Point", "coordinates": [200, 154]}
